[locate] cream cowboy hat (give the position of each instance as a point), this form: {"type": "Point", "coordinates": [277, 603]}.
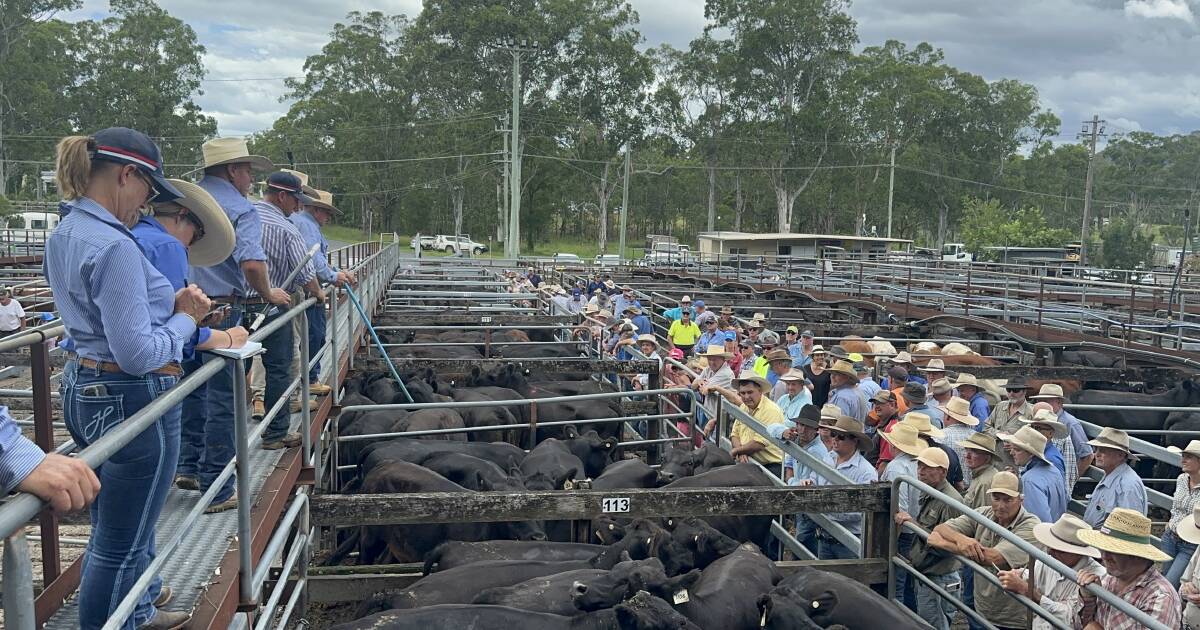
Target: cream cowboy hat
{"type": "Point", "coordinates": [905, 438]}
{"type": "Point", "coordinates": [1063, 535]}
{"type": "Point", "coordinates": [1188, 529]}
{"type": "Point", "coordinates": [591, 308]}
{"type": "Point", "coordinates": [1005, 483]}
{"type": "Point", "coordinates": [1127, 533]}
{"type": "Point", "coordinates": [922, 423]}
{"type": "Point", "coordinates": [966, 379]}
{"type": "Point", "coordinates": [794, 375]}
{"type": "Point", "coordinates": [960, 410]}
{"type": "Point", "coordinates": [830, 414]}
{"type": "Point", "coordinates": [1029, 440]}
{"type": "Point", "coordinates": [1193, 449]}
{"type": "Point", "coordinates": [981, 442]}
{"type": "Point", "coordinates": [819, 349]}
{"type": "Point", "coordinates": [750, 376]}
{"type": "Point", "coordinates": [1113, 438]}
{"type": "Point", "coordinates": [1047, 417]}
{"type": "Point", "coordinates": [846, 369]}
{"type": "Point", "coordinates": [647, 338]}
{"type": "Point", "coordinates": [941, 386]}
{"type": "Point", "coordinates": [303, 177]}
{"type": "Point", "coordinates": [1049, 390]}
{"type": "Point", "coordinates": [219, 151]}
{"type": "Point", "coordinates": [934, 365]}
{"type": "Point", "coordinates": [902, 357]}
{"type": "Point", "coordinates": [716, 350]}
{"type": "Point", "coordinates": [935, 457]}
{"type": "Point", "coordinates": [323, 200]}
{"type": "Point", "coordinates": [217, 243]}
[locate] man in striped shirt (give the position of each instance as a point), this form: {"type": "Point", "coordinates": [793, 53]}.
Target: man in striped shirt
{"type": "Point", "coordinates": [285, 251]}
{"type": "Point", "coordinates": [66, 482]}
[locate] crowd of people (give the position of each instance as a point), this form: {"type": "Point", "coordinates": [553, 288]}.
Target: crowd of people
{"type": "Point", "coordinates": [148, 273]}
{"type": "Point", "coordinates": [1015, 463]}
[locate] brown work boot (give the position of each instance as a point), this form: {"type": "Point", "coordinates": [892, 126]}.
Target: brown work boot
{"type": "Point", "coordinates": [227, 504]}
{"type": "Point", "coordinates": [260, 410]}
{"type": "Point", "coordinates": [187, 482]}
{"type": "Point", "coordinates": [295, 406]}
{"type": "Point", "coordinates": [291, 440]}
{"type": "Point", "coordinates": [319, 389]}
{"type": "Point", "coordinates": [167, 620]}
{"type": "Point", "coordinates": [164, 596]}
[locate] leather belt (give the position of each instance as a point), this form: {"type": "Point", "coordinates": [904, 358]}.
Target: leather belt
{"type": "Point", "coordinates": [236, 299]}
{"type": "Point", "coordinates": [170, 369]}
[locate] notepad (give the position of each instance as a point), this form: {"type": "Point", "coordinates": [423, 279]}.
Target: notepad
{"type": "Point", "coordinates": [245, 352]}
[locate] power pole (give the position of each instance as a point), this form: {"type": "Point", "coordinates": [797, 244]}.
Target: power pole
{"type": "Point", "coordinates": [1095, 129]}
{"type": "Point", "coordinates": [512, 246]}
{"type": "Point", "coordinates": [501, 197]}
{"type": "Point", "coordinates": [891, 188]}
{"type": "Point", "coordinates": [624, 203]}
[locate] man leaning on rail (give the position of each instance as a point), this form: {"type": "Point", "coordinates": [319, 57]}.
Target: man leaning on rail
{"type": "Point", "coordinates": [1128, 553]}
{"type": "Point", "coordinates": [964, 536]}
{"type": "Point", "coordinates": [935, 564]}
{"type": "Point", "coordinates": [1055, 592]}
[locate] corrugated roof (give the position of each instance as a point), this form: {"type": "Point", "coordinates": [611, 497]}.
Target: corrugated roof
{"type": "Point", "coordinates": [779, 236]}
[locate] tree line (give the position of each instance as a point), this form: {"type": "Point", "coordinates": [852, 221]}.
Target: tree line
{"type": "Point", "coordinates": [773, 118]}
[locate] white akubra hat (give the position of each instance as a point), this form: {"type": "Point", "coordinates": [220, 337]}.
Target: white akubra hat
{"type": "Point", "coordinates": [217, 243]}
{"type": "Point", "coordinates": [1028, 440]}
{"type": "Point", "coordinates": [1048, 418]}
{"type": "Point", "coordinates": [1063, 535]}
{"type": "Point", "coordinates": [1188, 528]}
{"type": "Point", "coordinates": [219, 151]}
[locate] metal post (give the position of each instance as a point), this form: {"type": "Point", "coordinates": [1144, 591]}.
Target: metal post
{"type": "Point", "coordinates": [891, 188]}
{"type": "Point", "coordinates": [18, 583]}
{"type": "Point", "coordinates": [335, 358]}
{"type": "Point", "coordinates": [241, 441]}
{"type": "Point", "coordinates": [305, 392]}
{"type": "Point", "coordinates": [625, 200]}
{"type": "Point", "coordinates": [43, 435]}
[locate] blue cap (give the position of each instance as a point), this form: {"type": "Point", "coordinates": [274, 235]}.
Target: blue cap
{"type": "Point", "coordinates": [730, 335]}
{"type": "Point", "coordinates": [127, 146]}
{"type": "Point", "coordinates": [289, 183]}
{"type": "Point", "coordinates": [699, 303]}
{"type": "Point", "coordinates": [575, 292]}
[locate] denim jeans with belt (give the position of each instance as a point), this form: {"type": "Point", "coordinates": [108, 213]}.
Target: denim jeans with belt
{"type": "Point", "coordinates": [316, 337]}
{"type": "Point", "coordinates": [1180, 551]}
{"type": "Point", "coordinates": [133, 486]}
{"type": "Point", "coordinates": [936, 611]}
{"type": "Point", "coordinates": [277, 363]}
{"type": "Point", "coordinates": [207, 443]}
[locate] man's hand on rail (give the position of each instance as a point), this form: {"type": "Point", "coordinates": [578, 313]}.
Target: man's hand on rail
{"type": "Point", "coordinates": [67, 483]}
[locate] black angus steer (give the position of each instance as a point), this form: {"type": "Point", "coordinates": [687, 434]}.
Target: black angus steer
{"type": "Point", "coordinates": [456, 553]}
{"type": "Point", "coordinates": [630, 473]}
{"type": "Point", "coordinates": [832, 599]}
{"type": "Point", "coordinates": [752, 529]}
{"type": "Point", "coordinates": [682, 461]}
{"type": "Point", "coordinates": [726, 595]}
{"type": "Point", "coordinates": [587, 589]}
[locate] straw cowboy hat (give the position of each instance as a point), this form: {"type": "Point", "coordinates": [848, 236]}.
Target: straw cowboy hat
{"type": "Point", "coordinates": [830, 414]}
{"type": "Point", "coordinates": [902, 357]}
{"type": "Point", "coordinates": [1063, 535]}
{"type": "Point", "coordinates": [848, 425]}
{"type": "Point", "coordinates": [687, 299]}
{"type": "Point", "coordinates": [323, 200]}
{"type": "Point", "coordinates": [714, 350]}
{"type": "Point", "coordinates": [905, 438]}
{"type": "Point", "coordinates": [934, 457]}
{"type": "Point", "coordinates": [1193, 449]}
{"type": "Point", "coordinates": [1046, 417]}
{"type": "Point", "coordinates": [1188, 529]}
{"type": "Point", "coordinates": [934, 365]}
{"type": "Point", "coordinates": [1113, 438]}
{"type": "Point", "coordinates": [981, 442]}
{"type": "Point", "coordinates": [960, 410]}
{"type": "Point", "coordinates": [794, 375]}
{"type": "Point", "coordinates": [846, 369]}
{"type": "Point", "coordinates": [1007, 483]}
{"type": "Point", "coordinates": [921, 423]}
{"type": "Point", "coordinates": [1049, 390]}
{"type": "Point", "coordinates": [1127, 533]}
{"type": "Point", "coordinates": [757, 320]}
{"type": "Point", "coordinates": [750, 376]}
{"type": "Point", "coordinates": [591, 308]}
{"type": "Point", "coordinates": [605, 313]}
{"type": "Point", "coordinates": [966, 379]}
{"type": "Point", "coordinates": [727, 310]}
{"type": "Point", "coordinates": [647, 338]}
{"type": "Point", "coordinates": [1029, 440]}
{"type": "Point", "coordinates": [220, 151]}
{"type": "Point", "coordinates": [217, 243]}
{"type": "Point", "coordinates": [941, 386]}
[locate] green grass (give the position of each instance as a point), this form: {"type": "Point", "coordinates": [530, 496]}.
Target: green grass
{"type": "Point", "coordinates": [348, 234]}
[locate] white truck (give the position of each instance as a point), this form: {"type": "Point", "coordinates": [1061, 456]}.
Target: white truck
{"type": "Point", "coordinates": [461, 243]}
{"type": "Point", "coordinates": [664, 253]}
{"type": "Point", "coordinates": [956, 252]}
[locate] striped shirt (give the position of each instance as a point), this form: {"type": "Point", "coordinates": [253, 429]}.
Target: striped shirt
{"type": "Point", "coordinates": [284, 247]}
{"type": "Point", "coordinates": [955, 435]}
{"type": "Point", "coordinates": [311, 231]}
{"type": "Point", "coordinates": [114, 304]}
{"type": "Point", "coordinates": [18, 456]}
{"type": "Point", "coordinates": [1182, 502]}
{"type": "Point", "coordinates": [225, 279]}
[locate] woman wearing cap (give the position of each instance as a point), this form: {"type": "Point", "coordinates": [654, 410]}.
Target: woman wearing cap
{"type": "Point", "coordinates": [818, 376]}
{"type": "Point", "coordinates": [1057, 593]}
{"type": "Point", "coordinates": [1183, 503]}
{"type": "Point", "coordinates": [129, 327]}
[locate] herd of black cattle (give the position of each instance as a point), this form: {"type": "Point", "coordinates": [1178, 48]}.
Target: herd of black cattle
{"type": "Point", "coordinates": [633, 574]}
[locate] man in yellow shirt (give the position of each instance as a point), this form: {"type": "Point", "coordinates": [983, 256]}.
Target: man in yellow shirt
{"type": "Point", "coordinates": [747, 443]}
{"type": "Point", "coordinates": [684, 332]}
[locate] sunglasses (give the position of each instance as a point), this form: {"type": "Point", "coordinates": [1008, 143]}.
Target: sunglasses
{"type": "Point", "coordinates": [197, 227]}
{"type": "Point", "coordinates": [152, 193]}
{"type": "Point", "coordinates": [841, 437]}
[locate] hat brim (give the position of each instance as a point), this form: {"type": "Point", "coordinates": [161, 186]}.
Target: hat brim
{"type": "Point", "coordinates": [1044, 534]}
{"type": "Point", "coordinates": [1112, 544]}
{"type": "Point", "coordinates": [1113, 445]}
{"type": "Point", "coordinates": [1009, 438]}
{"type": "Point", "coordinates": [760, 382]}
{"type": "Point", "coordinates": [1060, 430]}
{"type": "Point", "coordinates": [979, 447]}
{"type": "Point", "coordinates": [911, 449]}
{"type": "Point", "coordinates": [966, 418]}
{"type": "Point", "coordinates": [851, 374]}
{"type": "Point", "coordinates": [217, 243]}
{"type": "Point", "coordinates": [912, 399]}
{"type": "Point", "coordinates": [1188, 530]}
{"type": "Point", "coordinates": [256, 162]}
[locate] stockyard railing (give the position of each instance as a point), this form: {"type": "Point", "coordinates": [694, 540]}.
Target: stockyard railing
{"type": "Point", "coordinates": [374, 264]}
{"type": "Point", "coordinates": [1036, 556]}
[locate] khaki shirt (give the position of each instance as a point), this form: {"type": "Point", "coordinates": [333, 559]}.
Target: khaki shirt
{"type": "Point", "coordinates": [933, 513]}
{"type": "Point", "coordinates": [990, 600]}
{"type": "Point", "coordinates": [976, 495]}
{"type": "Point", "coordinates": [1001, 421]}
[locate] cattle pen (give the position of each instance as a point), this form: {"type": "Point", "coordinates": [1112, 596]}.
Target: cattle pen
{"type": "Point", "coordinates": [296, 513]}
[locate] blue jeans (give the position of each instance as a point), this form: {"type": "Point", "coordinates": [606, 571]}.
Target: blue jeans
{"type": "Point", "coordinates": [133, 486]}
{"type": "Point", "coordinates": [968, 595]}
{"type": "Point", "coordinates": [806, 531]}
{"type": "Point", "coordinates": [1179, 549]}
{"type": "Point", "coordinates": [277, 363]}
{"type": "Point", "coordinates": [207, 444]}
{"type": "Point", "coordinates": [828, 548]}
{"type": "Point", "coordinates": [316, 337]}
{"type": "Point", "coordinates": [936, 611]}
{"type": "Point", "coordinates": [905, 583]}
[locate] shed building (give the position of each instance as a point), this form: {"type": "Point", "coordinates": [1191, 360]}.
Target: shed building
{"type": "Point", "coordinates": [798, 245]}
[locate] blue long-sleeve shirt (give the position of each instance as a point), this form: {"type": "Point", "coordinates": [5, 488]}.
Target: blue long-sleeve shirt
{"type": "Point", "coordinates": [979, 409]}
{"type": "Point", "coordinates": [311, 232]}
{"type": "Point", "coordinates": [1120, 488]}
{"type": "Point", "coordinates": [115, 305]}
{"type": "Point", "coordinates": [18, 455]}
{"type": "Point", "coordinates": [225, 279]}
{"type": "Point", "coordinates": [169, 257]}
{"type": "Point", "coordinates": [1045, 490]}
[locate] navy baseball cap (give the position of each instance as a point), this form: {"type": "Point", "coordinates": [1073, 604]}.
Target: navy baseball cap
{"type": "Point", "coordinates": [289, 183]}
{"type": "Point", "coordinates": [127, 146]}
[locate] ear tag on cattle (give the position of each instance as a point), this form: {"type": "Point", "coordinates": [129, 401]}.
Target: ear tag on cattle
{"type": "Point", "coordinates": [762, 623]}
{"type": "Point", "coordinates": [649, 540]}
{"type": "Point", "coordinates": [816, 605]}
{"type": "Point", "coordinates": [681, 597]}
{"type": "Point", "coordinates": [611, 527]}
{"type": "Point", "coordinates": [696, 538]}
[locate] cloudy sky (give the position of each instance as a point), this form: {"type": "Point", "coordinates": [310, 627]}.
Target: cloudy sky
{"type": "Point", "coordinates": [1130, 61]}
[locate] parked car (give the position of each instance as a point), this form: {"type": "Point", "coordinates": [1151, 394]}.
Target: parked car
{"type": "Point", "coordinates": [424, 241]}
{"type": "Point", "coordinates": [607, 260]}
{"type": "Point", "coordinates": [563, 258]}
{"type": "Point", "coordinates": [462, 243]}
{"type": "Point", "coordinates": [669, 254]}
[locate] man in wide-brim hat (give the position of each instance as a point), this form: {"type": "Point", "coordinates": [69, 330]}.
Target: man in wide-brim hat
{"type": "Point", "coordinates": [714, 378]}
{"type": "Point", "coordinates": [849, 441]}
{"type": "Point", "coordinates": [979, 455]}
{"type": "Point", "coordinates": [752, 397]}
{"type": "Point", "coordinates": [843, 391]}
{"type": "Point", "coordinates": [1045, 486]}
{"type": "Point", "coordinates": [1055, 591]}
{"type": "Point", "coordinates": [934, 369]}
{"type": "Point", "coordinates": [1129, 554]}
{"type": "Point", "coordinates": [1121, 486]}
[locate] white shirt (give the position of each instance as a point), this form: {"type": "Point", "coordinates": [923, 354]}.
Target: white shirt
{"type": "Point", "coordinates": [1060, 596]}
{"type": "Point", "coordinates": [10, 316]}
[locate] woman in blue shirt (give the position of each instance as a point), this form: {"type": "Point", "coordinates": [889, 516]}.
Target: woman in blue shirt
{"type": "Point", "coordinates": [129, 327]}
